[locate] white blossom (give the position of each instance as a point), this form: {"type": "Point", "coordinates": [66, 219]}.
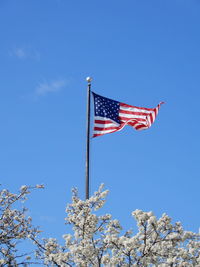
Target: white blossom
{"type": "Point", "coordinates": [97, 239]}
{"type": "Point", "coordinates": [15, 227]}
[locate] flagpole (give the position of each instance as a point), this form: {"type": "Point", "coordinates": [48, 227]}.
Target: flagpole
{"type": "Point", "coordinates": [87, 173]}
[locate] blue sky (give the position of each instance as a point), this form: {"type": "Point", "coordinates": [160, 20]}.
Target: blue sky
{"type": "Point", "coordinates": [139, 53]}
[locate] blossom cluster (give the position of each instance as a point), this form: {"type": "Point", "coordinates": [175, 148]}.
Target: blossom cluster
{"type": "Point", "coordinates": [97, 239]}
{"type": "Point", "coordinates": [15, 226]}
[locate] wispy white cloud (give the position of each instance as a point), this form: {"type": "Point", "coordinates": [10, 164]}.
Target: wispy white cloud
{"type": "Point", "coordinates": [20, 53]}
{"type": "Point", "coordinates": [25, 53]}
{"type": "Point", "coordinates": [50, 87]}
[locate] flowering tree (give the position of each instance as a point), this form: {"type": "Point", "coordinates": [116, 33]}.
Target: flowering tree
{"type": "Point", "coordinates": [96, 240]}
{"type": "Point", "coordinates": [15, 227]}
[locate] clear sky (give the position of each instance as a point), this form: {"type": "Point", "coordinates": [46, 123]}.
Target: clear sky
{"type": "Point", "coordinates": [138, 52]}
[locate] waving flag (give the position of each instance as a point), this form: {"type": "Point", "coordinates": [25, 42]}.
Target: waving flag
{"type": "Point", "coordinates": [111, 116]}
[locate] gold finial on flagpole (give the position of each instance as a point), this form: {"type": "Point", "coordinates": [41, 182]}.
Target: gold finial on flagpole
{"type": "Point", "coordinates": [89, 79]}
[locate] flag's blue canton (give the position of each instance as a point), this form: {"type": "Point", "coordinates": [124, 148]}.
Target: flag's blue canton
{"type": "Point", "coordinates": [105, 107]}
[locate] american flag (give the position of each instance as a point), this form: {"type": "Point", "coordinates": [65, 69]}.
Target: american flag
{"type": "Point", "coordinates": [111, 116]}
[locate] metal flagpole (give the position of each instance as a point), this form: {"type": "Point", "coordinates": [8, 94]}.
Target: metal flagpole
{"type": "Point", "coordinates": [87, 173]}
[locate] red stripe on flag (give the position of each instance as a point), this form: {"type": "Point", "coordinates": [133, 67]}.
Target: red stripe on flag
{"type": "Point", "coordinates": [134, 113]}
{"type": "Point", "coordinates": [128, 106]}
{"type": "Point", "coordinates": [106, 128]}
{"type": "Point", "coordinates": [103, 121]}
{"type": "Point", "coordinates": [127, 119]}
